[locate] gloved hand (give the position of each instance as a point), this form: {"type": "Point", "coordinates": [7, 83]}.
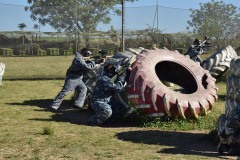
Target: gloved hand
{"type": "Point", "coordinates": [122, 78]}
{"type": "Point", "coordinates": [128, 73]}
{"type": "Point", "coordinates": [88, 61]}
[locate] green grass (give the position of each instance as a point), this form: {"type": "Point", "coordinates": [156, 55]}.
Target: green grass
{"type": "Point", "coordinates": [30, 131]}
{"type": "Point", "coordinates": [202, 123]}
{"type": "Point", "coordinates": [46, 67]}
{"type": "Point", "coordinates": [48, 130]}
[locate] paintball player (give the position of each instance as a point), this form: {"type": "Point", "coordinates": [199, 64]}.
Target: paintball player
{"type": "Point", "coordinates": [195, 50]}
{"type": "Point", "coordinates": [230, 136]}
{"type": "Point", "coordinates": [103, 95]}
{"type": "Point", "coordinates": [73, 81]}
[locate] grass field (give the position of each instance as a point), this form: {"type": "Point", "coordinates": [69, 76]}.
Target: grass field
{"type": "Point", "coordinates": [30, 131]}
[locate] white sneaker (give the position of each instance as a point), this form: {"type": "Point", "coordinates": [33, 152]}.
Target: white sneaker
{"type": "Point", "coordinates": [54, 108]}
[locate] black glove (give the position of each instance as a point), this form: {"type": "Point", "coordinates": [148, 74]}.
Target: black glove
{"type": "Point", "coordinates": [128, 73]}
{"type": "Point", "coordinates": [91, 62]}
{"type": "Point", "coordinates": [88, 61]}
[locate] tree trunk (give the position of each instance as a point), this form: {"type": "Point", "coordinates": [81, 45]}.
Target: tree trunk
{"type": "Point", "coordinates": [23, 36]}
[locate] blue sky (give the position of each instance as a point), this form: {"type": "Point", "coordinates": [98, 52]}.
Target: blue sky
{"type": "Point", "coordinates": [183, 4]}
{"type": "Point", "coordinates": [173, 15]}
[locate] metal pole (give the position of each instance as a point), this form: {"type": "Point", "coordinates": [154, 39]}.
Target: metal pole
{"type": "Point", "coordinates": [76, 29]}
{"type": "Point", "coordinates": [123, 24]}
{"type": "Point", "coordinates": [31, 48]}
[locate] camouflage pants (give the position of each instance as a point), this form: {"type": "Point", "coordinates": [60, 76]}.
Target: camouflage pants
{"type": "Point", "coordinates": [105, 112]}
{"type": "Point", "coordinates": [70, 85]}
{"type": "Point", "coordinates": [234, 121]}
{"type": "Point", "coordinates": [229, 134]}
{"type": "Point", "coordinates": [102, 112]}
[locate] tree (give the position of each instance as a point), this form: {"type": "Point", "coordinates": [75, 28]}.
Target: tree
{"type": "Point", "coordinates": [216, 19]}
{"type": "Point", "coordinates": [114, 35]}
{"type": "Point", "coordinates": [21, 26]}
{"type": "Point", "coordinates": [61, 15]}
{"type": "Point", "coordinates": [150, 34]}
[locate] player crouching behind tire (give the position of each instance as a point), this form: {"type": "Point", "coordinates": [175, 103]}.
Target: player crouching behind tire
{"type": "Point", "coordinates": [101, 99]}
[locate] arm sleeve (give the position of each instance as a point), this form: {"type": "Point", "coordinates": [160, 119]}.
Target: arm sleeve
{"type": "Point", "coordinates": [85, 65]}
{"type": "Point", "coordinates": [111, 86]}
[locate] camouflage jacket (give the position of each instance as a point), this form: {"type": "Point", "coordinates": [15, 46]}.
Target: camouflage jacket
{"type": "Point", "coordinates": [105, 88]}
{"type": "Point", "coordinates": [79, 67]}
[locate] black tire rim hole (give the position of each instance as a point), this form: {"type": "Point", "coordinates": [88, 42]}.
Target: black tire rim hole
{"type": "Point", "coordinates": [172, 72]}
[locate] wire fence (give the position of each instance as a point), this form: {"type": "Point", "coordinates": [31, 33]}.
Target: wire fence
{"type": "Point", "coordinates": [35, 39]}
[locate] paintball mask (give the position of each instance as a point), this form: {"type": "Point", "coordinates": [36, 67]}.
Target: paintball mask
{"type": "Point", "coordinates": [111, 67]}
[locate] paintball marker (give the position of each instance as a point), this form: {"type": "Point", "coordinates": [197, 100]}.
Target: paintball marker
{"type": "Point", "coordinates": [196, 49]}
{"type": "Point", "coordinates": [124, 66]}
{"type": "Point", "coordinates": [98, 59]}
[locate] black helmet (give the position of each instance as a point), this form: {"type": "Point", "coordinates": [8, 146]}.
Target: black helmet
{"type": "Point", "coordinates": [196, 42]}
{"type": "Point", "coordinates": [111, 66]}
{"type": "Point", "coordinates": [85, 52]}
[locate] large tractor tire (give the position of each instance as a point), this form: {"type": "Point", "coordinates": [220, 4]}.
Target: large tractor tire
{"type": "Point", "coordinates": [219, 62]}
{"type": "Point", "coordinates": [147, 91]}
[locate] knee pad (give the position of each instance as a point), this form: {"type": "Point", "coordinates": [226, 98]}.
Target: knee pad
{"type": "Point", "coordinates": [107, 113]}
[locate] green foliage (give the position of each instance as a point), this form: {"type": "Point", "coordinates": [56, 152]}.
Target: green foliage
{"type": "Point", "coordinates": [4, 40]}
{"type": "Point", "coordinates": [21, 26]}
{"type": "Point", "coordinates": [202, 123]}
{"type": "Point", "coordinates": [216, 19]}
{"type": "Point", "coordinates": [166, 123]}
{"type": "Point", "coordinates": [72, 15]}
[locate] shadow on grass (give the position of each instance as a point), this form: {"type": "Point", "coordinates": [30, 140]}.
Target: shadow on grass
{"type": "Point", "coordinates": [175, 142]}
{"type": "Point", "coordinates": [222, 97]}
{"type": "Point", "coordinates": [67, 113]}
